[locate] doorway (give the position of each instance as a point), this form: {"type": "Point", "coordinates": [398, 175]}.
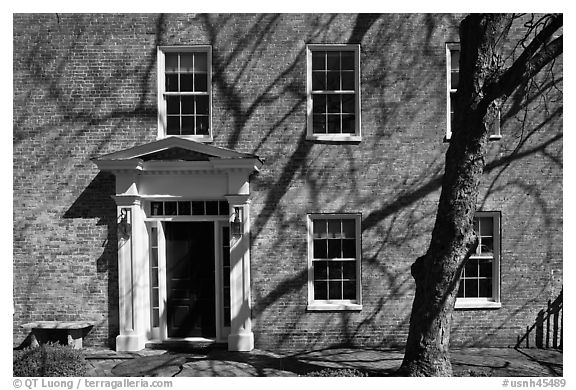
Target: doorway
{"type": "Point", "coordinates": [190, 279]}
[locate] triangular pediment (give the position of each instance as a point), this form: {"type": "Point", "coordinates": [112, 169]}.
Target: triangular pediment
{"type": "Point", "coordinates": [175, 149]}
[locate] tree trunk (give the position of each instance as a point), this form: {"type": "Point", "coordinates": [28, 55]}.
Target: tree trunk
{"type": "Point", "coordinates": [437, 273]}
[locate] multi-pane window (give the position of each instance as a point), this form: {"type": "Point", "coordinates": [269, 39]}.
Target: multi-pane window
{"type": "Point", "coordinates": [333, 92]}
{"type": "Point", "coordinates": [452, 82]}
{"type": "Point", "coordinates": [184, 92]}
{"type": "Point", "coordinates": [187, 207]}
{"type": "Point", "coordinates": [154, 278]}
{"type": "Point", "coordinates": [334, 258]}
{"type": "Point", "coordinates": [480, 276]}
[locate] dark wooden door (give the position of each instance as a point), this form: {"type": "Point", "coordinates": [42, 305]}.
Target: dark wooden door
{"type": "Point", "coordinates": [190, 279]}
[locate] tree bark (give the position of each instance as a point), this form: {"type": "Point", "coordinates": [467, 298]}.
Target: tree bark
{"type": "Point", "coordinates": [437, 273]}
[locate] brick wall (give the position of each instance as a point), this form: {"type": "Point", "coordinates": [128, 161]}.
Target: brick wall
{"type": "Point", "coordinates": [85, 85]}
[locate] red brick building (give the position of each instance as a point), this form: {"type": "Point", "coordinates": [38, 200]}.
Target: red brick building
{"type": "Point", "coordinates": [265, 180]}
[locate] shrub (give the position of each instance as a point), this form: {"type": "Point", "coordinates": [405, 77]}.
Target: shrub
{"type": "Point", "coordinates": [481, 373]}
{"type": "Point", "coordinates": [329, 372]}
{"type": "Point", "coordinates": [49, 360]}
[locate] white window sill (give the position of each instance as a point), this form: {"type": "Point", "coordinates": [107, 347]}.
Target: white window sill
{"type": "Point", "coordinates": [334, 137]}
{"type": "Point", "coordinates": [471, 303]}
{"type": "Point", "coordinates": [334, 307]}
{"type": "Point", "coordinates": [197, 138]}
{"type": "Point", "coordinates": [493, 137]}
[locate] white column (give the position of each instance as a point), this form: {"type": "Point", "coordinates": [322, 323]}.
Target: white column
{"type": "Point", "coordinates": [131, 274]}
{"type": "Point", "coordinates": [241, 337]}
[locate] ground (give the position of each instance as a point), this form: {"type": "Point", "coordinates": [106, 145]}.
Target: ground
{"type": "Point", "coordinates": [495, 362]}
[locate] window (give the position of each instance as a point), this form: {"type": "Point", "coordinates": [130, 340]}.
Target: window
{"type": "Point", "coordinates": [187, 207]}
{"type": "Point", "coordinates": [333, 90]}
{"type": "Point", "coordinates": [184, 92]}
{"type": "Point", "coordinates": [334, 253]}
{"type": "Point", "coordinates": [452, 80]}
{"type": "Point", "coordinates": [480, 281]}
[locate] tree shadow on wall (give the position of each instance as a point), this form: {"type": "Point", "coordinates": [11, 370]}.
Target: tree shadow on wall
{"type": "Point", "coordinates": [96, 202]}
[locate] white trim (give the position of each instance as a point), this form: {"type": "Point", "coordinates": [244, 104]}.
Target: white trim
{"type": "Point", "coordinates": [339, 305]}
{"type": "Point", "coordinates": [161, 50]}
{"type": "Point", "coordinates": [449, 46]}
{"type": "Point", "coordinates": [346, 137]}
{"type": "Point", "coordinates": [492, 302]}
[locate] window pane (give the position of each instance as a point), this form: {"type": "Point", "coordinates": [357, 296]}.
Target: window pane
{"type": "Point", "coordinates": [321, 290]}
{"type": "Point", "coordinates": [333, 60]}
{"type": "Point", "coordinates": [335, 290]}
{"type": "Point", "coordinates": [224, 208]}
{"type": "Point", "coordinates": [154, 237]}
{"type": "Point", "coordinates": [471, 288]}
{"type": "Point", "coordinates": [347, 58]}
{"type": "Point", "coordinates": [454, 59]}
{"type": "Point", "coordinates": [200, 82]}
{"type": "Point", "coordinates": [212, 207]}
{"type": "Point", "coordinates": [320, 249]}
{"type": "Point", "coordinates": [227, 317]}
{"type": "Point", "coordinates": [155, 300]}
{"type": "Point", "coordinates": [349, 290]}
{"type": "Point", "coordinates": [319, 228]}
{"type": "Point", "coordinates": [334, 228]}
{"type": "Point", "coordinates": [333, 103]}
{"type": "Point", "coordinates": [486, 246]}
{"type": "Point", "coordinates": [486, 227]}
{"type": "Point", "coordinates": [170, 208]}
{"type": "Point", "coordinates": [171, 62]}
{"type": "Point", "coordinates": [200, 62]}
{"type": "Point", "coordinates": [349, 270]}
{"type": "Point", "coordinates": [154, 257]}
{"type": "Point", "coordinates": [187, 125]}
{"type": "Point", "coordinates": [334, 124]}
{"type": "Point", "coordinates": [333, 81]}
{"type": "Point", "coordinates": [197, 208]}
{"type": "Point", "coordinates": [348, 81]}
{"type": "Point", "coordinates": [184, 208]}
{"type": "Point", "coordinates": [348, 228]}
{"type": "Point", "coordinates": [348, 124]}
{"type": "Point", "coordinates": [320, 270]}
{"type": "Point", "coordinates": [485, 287]}
{"type": "Point", "coordinates": [348, 104]}
{"type": "Point", "coordinates": [202, 105]}
{"type": "Point", "coordinates": [187, 104]}
{"type": "Point", "coordinates": [334, 270]}
{"type": "Point", "coordinates": [334, 248]}
{"type": "Point", "coordinates": [226, 257]}
{"type": "Point", "coordinates": [154, 278]}
{"type": "Point", "coordinates": [202, 125]}
{"type": "Point", "coordinates": [349, 248]}
{"type": "Point", "coordinates": [157, 208]}
{"type": "Point", "coordinates": [172, 105]}
{"type": "Point", "coordinates": [461, 289]}
{"type": "Point", "coordinates": [186, 83]}
{"type": "Point", "coordinates": [485, 268]}
{"type": "Point", "coordinates": [319, 124]}
{"type": "Point", "coordinates": [155, 318]}
{"type": "Point", "coordinates": [319, 104]}
{"type": "Point", "coordinates": [171, 83]}
{"type": "Point", "coordinates": [186, 62]}
{"type": "Point", "coordinates": [227, 295]}
{"type": "Point", "coordinates": [173, 125]}
{"type": "Point", "coordinates": [471, 268]}
{"type": "Point", "coordinates": [454, 79]}
{"type": "Point", "coordinates": [318, 60]}
{"type": "Point", "coordinates": [318, 81]}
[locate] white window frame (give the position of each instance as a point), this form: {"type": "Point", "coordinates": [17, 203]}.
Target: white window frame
{"type": "Point", "coordinates": [310, 135]}
{"type": "Point", "coordinates": [450, 46]}
{"type": "Point", "coordinates": [492, 302]}
{"type": "Point", "coordinates": [335, 305]}
{"type": "Point", "coordinates": [162, 116]}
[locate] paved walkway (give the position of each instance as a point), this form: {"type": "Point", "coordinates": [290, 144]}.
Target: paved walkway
{"type": "Point", "coordinates": [496, 362]}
